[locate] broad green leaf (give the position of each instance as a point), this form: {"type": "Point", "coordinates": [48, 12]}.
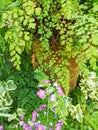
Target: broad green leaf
{"type": "Point", "coordinates": [11, 85]}
{"type": "Point", "coordinates": [12, 117]}
{"type": "Point", "coordinates": [8, 101]}
{"type": "Point", "coordinates": [20, 111]}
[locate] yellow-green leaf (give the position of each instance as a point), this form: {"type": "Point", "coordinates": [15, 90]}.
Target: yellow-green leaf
{"type": "Point", "coordinates": [38, 11]}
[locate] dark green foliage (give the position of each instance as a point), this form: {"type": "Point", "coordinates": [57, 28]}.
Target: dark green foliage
{"type": "Point", "coordinates": [25, 94]}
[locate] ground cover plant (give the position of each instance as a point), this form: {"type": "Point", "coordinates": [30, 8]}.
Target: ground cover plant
{"type": "Point", "coordinates": [48, 64]}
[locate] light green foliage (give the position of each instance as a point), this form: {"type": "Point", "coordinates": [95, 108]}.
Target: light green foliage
{"type": "Point", "coordinates": [19, 21]}
{"type": "Point", "coordinates": [58, 29]}
{"type": "Point", "coordinates": [67, 109]}
{"type": "Point", "coordinates": [69, 8]}
{"type": "Point", "coordinates": [87, 96]}
{"type": "Point", "coordinates": [5, 88]}
{"type": "Point", "coordinates": [5, 98]}
{"type": "Point", "coordinates": [89, 86]}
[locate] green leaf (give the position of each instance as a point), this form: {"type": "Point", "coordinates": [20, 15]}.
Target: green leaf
{"type": "Point", "coordinates": [27, 38]}
{"type": "Point", "coordinates": [11, 85]}
{"type": "Point", "coordinates": [25, 22]}
{"type": "Point", "coordinates": [31, 25]}
{"type": "Point", "coordinates": [16, 23]}
{"type": "Point", "coordinates": [8, 101]}
{"type": "Point", "coordinates": [13, 52]}
{"type": "Point", "coordinates": [12, 117]}
{"type": "Point", "coordinates": [13, 59]}
{"type": "Point", "coordinates": [11, 47]}
{"type": "Point", "coordinates": [38, 11]}
{"type": "Point", "coordinates": [20, 111]}
{"type": "Point", "coordinates": [95, 38]}
{"type": "Point", "coordinates": [18, 50]}
{"type": "Point", "coordinates": [4, 15]}
{"type": "Point", "coordinates": [95, 8]}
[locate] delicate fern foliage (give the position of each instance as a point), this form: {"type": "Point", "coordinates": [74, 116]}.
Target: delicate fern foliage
{"type": "Point", "coordinates": [57, 31]}
{"type": "Point", "coordinates": [19, 22]}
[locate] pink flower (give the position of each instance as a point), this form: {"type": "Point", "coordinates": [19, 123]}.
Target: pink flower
{"type": "Point", "coordinates": [1, 127]}
{"type": "Point", "coordinates": [58, 128]}
{"type": "Point", "coordinates": [42, 107]}
{"type": "Point", "coordinates": [59, 125]}
{"type": "Point", "coordinates": [41, 93]}
{"type": "Point", "coordinates": [22, 123]}
{"type": "Point", "coordinates": [53, 97]}
{"type": "Point", "coordinates": [40, 127]}
{"type": "Point", "coordinates": [27, 128]}
{"type": "Point", "coordinates": [60, 92]}
{"type": "Point", "coordinates": [46, 81]}
{"type": "Point", "coordinates": [34, 114]}
{"type": "Point", "coordinates": [22, 117]}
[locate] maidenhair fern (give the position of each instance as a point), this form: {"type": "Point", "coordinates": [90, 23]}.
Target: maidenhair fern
{"type": "Point", "coordinates": [59, 33]}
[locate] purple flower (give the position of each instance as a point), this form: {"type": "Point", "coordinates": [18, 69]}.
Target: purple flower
{"type": "Point", "coordinates": [22, 123]}
{"type": "Point", "coordinates": [60, 92]}
{"type": "Point", "coordinates": [58, 128]}
{"type": "Point", "coordinates": [46, 81]}
{"type": "Point", "coordinates": [59, 125]}
{"type": "Point", "coordinates": [41, 93]}
{"type": "Point", "coordinates": [42, 107]}
{"type": "Point", "coordinates": [34, 114]}
{"type": "Point", "coordinates": [1, 127]}
{"type": "Point", "coordinates": [27, 128]}
{"type": "Point", "coordinates": [53, 109]}
{"type": "Point", "coordinates": [22, 117]}
{"type": "Point", "coordinates": [40, 127]}
{"type": "Point", "coordinates": [53, 97]}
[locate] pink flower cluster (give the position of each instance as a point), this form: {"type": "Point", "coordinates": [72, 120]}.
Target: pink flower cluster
{"type": "Point", "coordinates": [42, 94]}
